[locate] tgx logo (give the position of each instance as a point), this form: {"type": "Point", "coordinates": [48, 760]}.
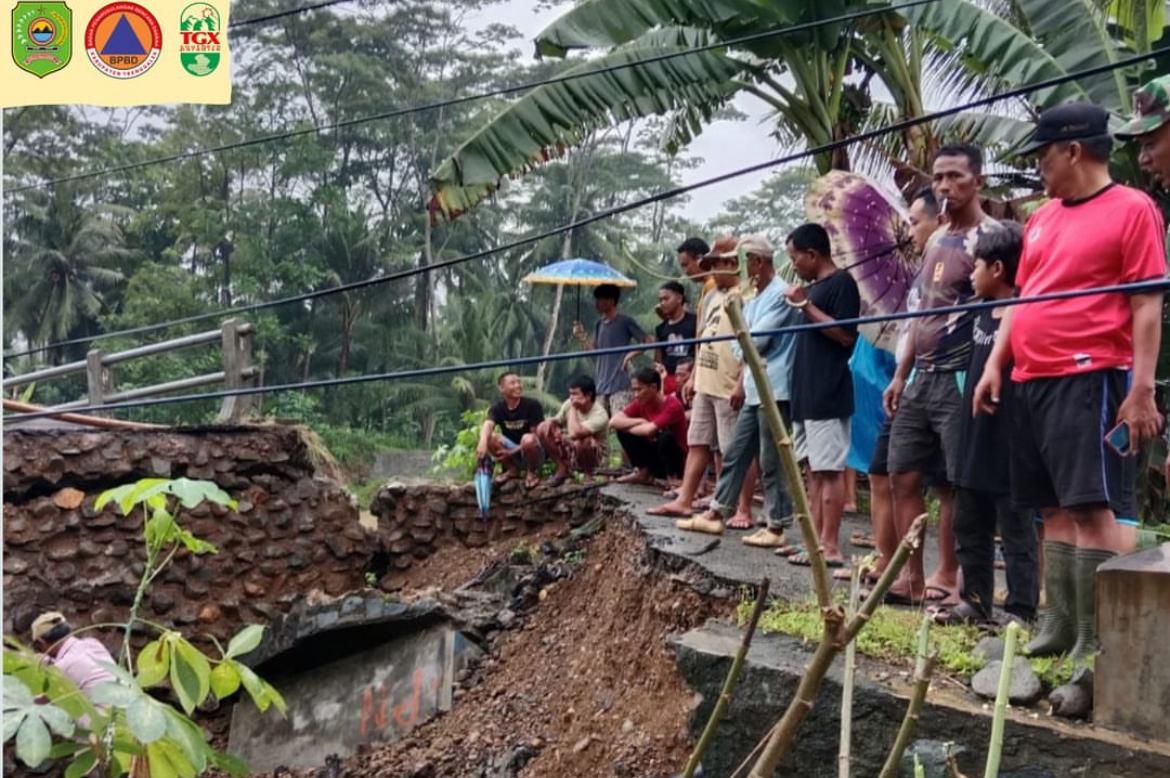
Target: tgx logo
{"type": "Point", "coordinates": [200, 38]}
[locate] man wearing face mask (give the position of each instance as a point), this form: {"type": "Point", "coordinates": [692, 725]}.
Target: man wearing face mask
{"type": "Point", "coordinates": [1083, 375]}
{"type": "Point", "coordinates": [1150, 129]}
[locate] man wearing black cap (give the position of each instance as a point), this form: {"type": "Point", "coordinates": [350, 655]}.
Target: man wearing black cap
{"type": "Point", "coordinates": [1083, 375]}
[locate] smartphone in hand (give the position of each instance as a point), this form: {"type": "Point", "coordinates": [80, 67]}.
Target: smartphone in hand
{"type": "Point", "coordinates": [1118, 439]}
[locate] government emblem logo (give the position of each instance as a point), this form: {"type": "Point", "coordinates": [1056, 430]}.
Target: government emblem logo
{"type": "Point", "coordinates": [42, 37]}
{"type": "Point", "coordinates": [201, 46]}
{"type": "Point", "coordinates": [123, 40]}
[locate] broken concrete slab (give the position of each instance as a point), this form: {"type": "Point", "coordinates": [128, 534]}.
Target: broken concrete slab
{"type": "Point", "coordinates": [775, 665]}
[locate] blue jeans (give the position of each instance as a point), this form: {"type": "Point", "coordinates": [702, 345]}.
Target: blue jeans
{"type": "Point", "coordinates": [753, 438]}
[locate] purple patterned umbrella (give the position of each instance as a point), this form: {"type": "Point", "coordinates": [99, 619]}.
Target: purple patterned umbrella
{"type": "Point", "coordinates": [870, 232]}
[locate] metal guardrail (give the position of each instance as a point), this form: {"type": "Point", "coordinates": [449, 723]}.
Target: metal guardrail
{"type": "Point", "coordinates": [234, 337]}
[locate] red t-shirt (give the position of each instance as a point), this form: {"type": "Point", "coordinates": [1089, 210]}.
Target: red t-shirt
{"type": "Point", "coordinates": [1114, 237]}
{"type": "Point", "coordinates": [670, 415]}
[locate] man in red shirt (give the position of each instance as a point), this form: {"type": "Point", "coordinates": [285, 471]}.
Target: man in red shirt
{"type": "Point", "coordinates": [1082, 366]}
{"type": "Point", "coordinates": [652, 430]}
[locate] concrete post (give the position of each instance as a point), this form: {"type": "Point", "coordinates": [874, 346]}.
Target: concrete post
{"type": "Point", "coordinates": [238, 370]}
{"type": "Point", "coordinates": [1131, 676]}
{"type": "Point", "coordinates": [96, 378]}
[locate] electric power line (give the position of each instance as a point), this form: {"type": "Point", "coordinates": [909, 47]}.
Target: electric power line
{"type": "Point", "coordinates": [620, 209]}
{"type": "Point", "coordinates": [282, 14]}
{"type": "Point", "coordinates": [1155, 285]}
{"type": "Point", "coordinates": [395, 112]}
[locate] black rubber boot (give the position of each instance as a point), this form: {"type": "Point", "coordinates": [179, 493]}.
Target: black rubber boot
{"type": "Point", "coordinates": [1088, 560]}
{"type": "Point", "coordinates": [1056, 630]}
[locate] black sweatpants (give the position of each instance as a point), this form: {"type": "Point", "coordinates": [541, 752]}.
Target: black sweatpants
{"type": "Point", "coordinates": [661, 455]}
{"type": "Point", "coordinates": [977, 514]}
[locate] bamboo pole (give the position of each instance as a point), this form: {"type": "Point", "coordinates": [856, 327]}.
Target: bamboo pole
{"type": "Point", "coordinates": [729, 683]}
{"type": "Point", "coordinates": [845, 750]}
{"type": "Point", "coordinates": [77, 418]}
{"type": "Point", "coordinates": [995, 748]}
{"type": "Point", "coordinates": [836, 636]}
{"type": "Point", "coordinates": [923, 670]}
{"type": "Point", "coordinates": [820, 571]}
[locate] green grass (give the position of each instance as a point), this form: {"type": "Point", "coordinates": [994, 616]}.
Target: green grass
{"type": "Point", "coordinates": [892, 636]}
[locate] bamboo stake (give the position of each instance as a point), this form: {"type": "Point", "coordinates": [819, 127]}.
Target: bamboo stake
{"type": "Point", "coordinates": [845, 750]}
{"type": "Point", "coordinates": [77, 418]}
{"type": "Point", "coordinates": [729, 683]}
{"type": "Point", "coordinates": [923, 669]}
{"type": "Point", "coordinates": [836, 636]}
{"type": "Point", "coordinates": [820, 571]}
{"type": "Point", "coordinates": [995, 748]}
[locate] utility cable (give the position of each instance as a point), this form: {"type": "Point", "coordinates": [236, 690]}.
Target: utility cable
{"type": "Point", "coordinates": [824, 148]}
{"type": "Point", "coordinates": [502, 91]}
{"type": "Point", "coordinates": [1156, 285]}
{"type": "Point", "coordinates": [283, 14]}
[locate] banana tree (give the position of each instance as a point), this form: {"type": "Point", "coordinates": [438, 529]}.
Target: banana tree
{"type": "Point", "coordinates": [803, 77]}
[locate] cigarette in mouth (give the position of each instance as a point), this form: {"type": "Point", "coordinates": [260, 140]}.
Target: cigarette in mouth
{"type": "Point", "coordinates": [942, 208]}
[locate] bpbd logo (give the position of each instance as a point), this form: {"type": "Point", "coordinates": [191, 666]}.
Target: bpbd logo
{"type": "Point", "coordinates": [42, 37]}
{"type": "Point", "coordinates": [201, 43]}
{"type": "Point", "coordinates": [123, 40]}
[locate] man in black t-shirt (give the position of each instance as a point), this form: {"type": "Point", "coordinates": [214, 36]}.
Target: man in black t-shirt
{"type": "Point", "coordinates": [822, 384]}
{"type": "Point", "coordinates": [678, 324]}
{"type": "Point", "coordinates": [982, 480]}
{"type": "Point", "coordinates": [517, 418]}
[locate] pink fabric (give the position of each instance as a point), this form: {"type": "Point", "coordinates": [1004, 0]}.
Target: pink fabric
{"type": "Point", "coordinates": [78, 658]}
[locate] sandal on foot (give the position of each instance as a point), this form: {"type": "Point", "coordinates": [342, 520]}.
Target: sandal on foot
{"type": "Point", "coordinates": [737, 522]}
{"type": "Point", "coordinates": [765, 538]}
{"type": "Point", "coordinates": [787, 550]}
{"type": "Point", "coordinates": [803, 560]}
{"type": "Point", "coordinates": [861, 539]}
{"type": "Point", "coordinates": [701, 523]}
{"type": "Point", "coordinates": [963, 613]}
{"type": "Point", "coordinates": [672, 513]}
{"type": "Point", "coordinates": [941, 596]}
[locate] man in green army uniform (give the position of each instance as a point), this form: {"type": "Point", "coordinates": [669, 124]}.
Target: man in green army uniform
{"type": "Point", "coordinates": [1150, 128]}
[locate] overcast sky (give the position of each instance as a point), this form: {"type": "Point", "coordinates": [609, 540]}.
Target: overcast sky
{"type": "Point", "coordinates": [723, 145]}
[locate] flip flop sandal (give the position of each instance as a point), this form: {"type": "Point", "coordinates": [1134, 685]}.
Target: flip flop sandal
{"type": "Point", "coordinates": [670, 494]}
{"type": "Point", "coordinates": [787, 550]}
{"type": "Point", "coordinates": [765, 539]}
{"type": "Point", "coordinates": [931, 594]}
{"type": "Point", "coordinates": [862, 540]}
{"type": "Point", "coordinates": [734, 523]}
{"type": "Point", "coordinates": [669, 513]}
{"type": "Point", "coordinates": [802, 560]}
{"type": "Point", "coordinates": [843, 574]}
{"type": "Point", "coordinates": [697, 524]}
{"type": "Point", "coordinates": [893, 598]}
{"type": "Point", "coordinates": [963, 613]}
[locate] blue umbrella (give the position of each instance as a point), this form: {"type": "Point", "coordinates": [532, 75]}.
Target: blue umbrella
{"type": "Point", "coordinates": [483, 484]}
{"type": "Point", "coordinates": [578, 272]}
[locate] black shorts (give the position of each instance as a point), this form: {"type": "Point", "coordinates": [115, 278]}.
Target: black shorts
{"type": "Point", "coordinates": [879, 464]}
{"type": "Point", "coordinates": [924, 434]}
{"type": "Point", "coordinates": [1059, 457]}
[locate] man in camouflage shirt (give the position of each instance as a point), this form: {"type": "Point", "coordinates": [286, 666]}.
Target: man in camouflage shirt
{"type": "Point", "coordinates": [1150, 128]}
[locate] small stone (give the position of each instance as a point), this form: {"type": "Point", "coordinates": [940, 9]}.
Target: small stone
{"type": "Point", "coordinates": [117, 548]}
{"type": "Point", "coordinates": [161, 602]}
{"type": "Point", "coordinates": [582, 744]}
{"type": "Point", "coordinates": [1025, 688]}
{"type": "Point", "coordinates": [989, 649]}
{"type": "Point", "coordinates": [209, 614]}
{"type": "Point", "coordinates": [68, 499]}
{"type": "Point", "coordinates": [627, 726]}
{"type": "Point", "coordinates": [1074, 700]}
{"type": "Point", "coordinates": [254, 588]}
{"type": "Point", "coordinates": [506, 618]}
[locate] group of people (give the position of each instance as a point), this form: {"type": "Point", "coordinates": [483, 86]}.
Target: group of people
{"type": "Point", "coordinates": [1022, 420]}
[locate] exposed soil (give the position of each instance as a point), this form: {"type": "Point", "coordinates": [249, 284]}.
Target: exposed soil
{"type": "Point", "coordinates": [453, 565]}
{"type": "Point", "coordinates": [583, 685]}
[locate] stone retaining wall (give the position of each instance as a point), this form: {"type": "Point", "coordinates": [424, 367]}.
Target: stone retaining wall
{"type": "Point", "coordinates": [293, 531]}
{"type": "Point", "coordinates": [415, 521]}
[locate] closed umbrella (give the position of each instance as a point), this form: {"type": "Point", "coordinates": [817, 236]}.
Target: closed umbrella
{"type": "Point", "coordinates": [483, 484]}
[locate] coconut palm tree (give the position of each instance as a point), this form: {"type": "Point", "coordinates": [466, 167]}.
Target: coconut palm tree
{"type": "Point", "coordinates": [67, 258]}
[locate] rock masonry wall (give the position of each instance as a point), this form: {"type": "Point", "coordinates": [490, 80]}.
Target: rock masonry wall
{"type": "Point", "coordinates": [293, 531]}
{"type": "Point", "coordinates": [415, 521]}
